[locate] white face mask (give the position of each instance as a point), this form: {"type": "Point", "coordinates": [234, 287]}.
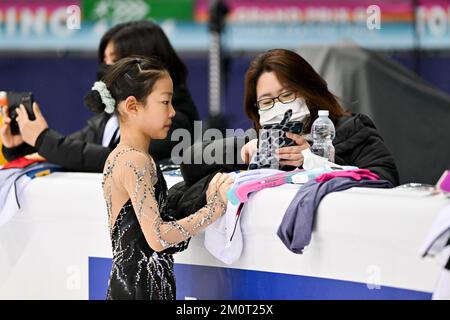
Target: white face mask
{"type": "Point", "coordinates": [275, 114]}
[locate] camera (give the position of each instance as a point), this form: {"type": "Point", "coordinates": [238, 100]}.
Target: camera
{"type": "Point", "coordinates": [15, 99]}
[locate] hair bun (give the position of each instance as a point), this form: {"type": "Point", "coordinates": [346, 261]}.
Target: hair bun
{"type": "Point", "coordinates": [94, 102]}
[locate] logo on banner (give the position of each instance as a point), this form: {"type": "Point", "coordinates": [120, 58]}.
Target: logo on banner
{"type": "Point", "coordinates": [374, 17]}
{"type": "Point", "coordinates": [73, 17]}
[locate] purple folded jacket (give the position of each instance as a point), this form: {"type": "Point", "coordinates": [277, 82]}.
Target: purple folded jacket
{"type": "Point", "coordinates": [297, 224]}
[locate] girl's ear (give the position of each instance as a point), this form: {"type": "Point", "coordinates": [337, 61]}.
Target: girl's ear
{"type": "Point", "coordinates": [130, 106]}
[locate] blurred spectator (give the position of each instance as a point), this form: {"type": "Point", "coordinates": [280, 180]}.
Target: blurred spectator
{"type": "Point", "coordinates": [88, 148]}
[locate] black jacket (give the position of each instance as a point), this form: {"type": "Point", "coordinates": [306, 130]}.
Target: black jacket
{"type": "Point", "coordinates": [189, 195]}
{"type": "Point", "coordinates": [83, 150]}
{"type": "Point", "coordinates": [357, 143]}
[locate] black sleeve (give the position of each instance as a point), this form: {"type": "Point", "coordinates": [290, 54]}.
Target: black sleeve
{"type": "Point", "coordinates": [364, 147]}
{"type": "Point", "coordinates": [72, 154]}
{"type": "Point", "coordinates": [228, 158]}
{"type": "Point", "coordinates": [17, 152]}
{"type": "Point", "coordinates": [84, 134]}
{"type": "Point", "coordinates": [374, 155]}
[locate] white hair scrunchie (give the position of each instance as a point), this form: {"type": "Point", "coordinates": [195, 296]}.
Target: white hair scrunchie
{"type": "Point", "coordinates": [105, 95]}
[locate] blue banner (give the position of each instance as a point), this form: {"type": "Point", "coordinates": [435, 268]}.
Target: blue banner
{"type": "Point", "coordinates": [217, 283]}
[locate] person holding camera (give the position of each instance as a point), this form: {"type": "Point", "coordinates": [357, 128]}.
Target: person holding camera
{"type": "Point", "coordinates": [30, 129]}
{"type": "Point", "coordinates": [87, 149]}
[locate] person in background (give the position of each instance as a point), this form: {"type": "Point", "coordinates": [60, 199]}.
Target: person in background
{"type": "Point", "coordinates": [139, 92]}
{"type": "Point", "coordinates": [280, 77]}
{"type": "Point", "coordinates": [87, 149]}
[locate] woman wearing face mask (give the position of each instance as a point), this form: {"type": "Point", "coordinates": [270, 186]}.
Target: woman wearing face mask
{"type": "Point", "coordinates": [279, 80]}
{"type": "Point", "coordinates": [88, 148]}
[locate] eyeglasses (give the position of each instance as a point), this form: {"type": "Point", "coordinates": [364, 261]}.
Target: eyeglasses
{"type": "Point", "coordinates": [267, 103]}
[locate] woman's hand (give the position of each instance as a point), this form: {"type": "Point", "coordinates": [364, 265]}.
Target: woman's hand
{"type": "Point", "coordinates": [220, 184]}
{"type": "Point", "coordinates": [292, 156]}
{"type": "Point", "coordinates": [8, 139]}
{"type": "Point", "coordinates": [29, 129]}
{"type": "Point", "coordinates": [248, 150]}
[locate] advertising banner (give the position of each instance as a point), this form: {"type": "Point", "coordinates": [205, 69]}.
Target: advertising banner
{"type": "Point", "coordinates": [251, 25]}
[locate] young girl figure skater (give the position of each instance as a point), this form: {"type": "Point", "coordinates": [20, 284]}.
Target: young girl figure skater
{"type": "Point", "coordinates": [139, 91]}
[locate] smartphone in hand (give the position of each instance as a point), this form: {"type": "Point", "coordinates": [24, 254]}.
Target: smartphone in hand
{"type": "Point", "coordinates": [15, 99]}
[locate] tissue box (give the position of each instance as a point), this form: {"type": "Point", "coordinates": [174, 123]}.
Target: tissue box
{"type": "Point", "coordinates": [444, 182]}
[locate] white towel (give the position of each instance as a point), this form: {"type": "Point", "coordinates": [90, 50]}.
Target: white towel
{"type": "Point", "coordinates": [223, 238]}
{"type": "Point", "coordinates": [437, 243]}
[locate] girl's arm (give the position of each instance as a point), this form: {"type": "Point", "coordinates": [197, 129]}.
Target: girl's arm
{"type": "Point", "coordinates": [138, 177]}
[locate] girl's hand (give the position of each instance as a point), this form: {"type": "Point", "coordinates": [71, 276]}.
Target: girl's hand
{"type": "Point", "coordinates": [292, 156]}
{"type": "Point", "coordinates": [223, 185]}
{"type": "Point", "coordinates": [220, 184]}
{"type": "Point", "coordinates": [212, 188]}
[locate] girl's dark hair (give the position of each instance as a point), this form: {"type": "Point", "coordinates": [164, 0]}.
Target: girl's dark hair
{"type": "Point", "coordinates": [132, 76]}
{"type": "Point", "coordinates": [144, 38]}
{"type": "Point", "coordinates": [296, 73]}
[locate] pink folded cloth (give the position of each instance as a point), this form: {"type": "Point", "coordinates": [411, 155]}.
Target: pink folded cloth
{"type": "Point", "coordinates": [356, 174]}
{"type": "Point", "coordinates": [444, 181]}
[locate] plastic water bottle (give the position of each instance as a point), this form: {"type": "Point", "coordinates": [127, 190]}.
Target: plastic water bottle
{"type": "Point", "coordinates": [322, 133]}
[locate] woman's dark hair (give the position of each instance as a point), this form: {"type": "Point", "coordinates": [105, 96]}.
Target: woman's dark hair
{"type": "Point", "coordinates": [297, 74]}
{"type": "Point", "coordinates": [144, 38]}
{"type": "Point", "coordinates": [131, 76]}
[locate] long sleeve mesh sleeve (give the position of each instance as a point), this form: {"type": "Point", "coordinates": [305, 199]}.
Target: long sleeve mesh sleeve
{"type": "Point", "coordinates": [137, 176]}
